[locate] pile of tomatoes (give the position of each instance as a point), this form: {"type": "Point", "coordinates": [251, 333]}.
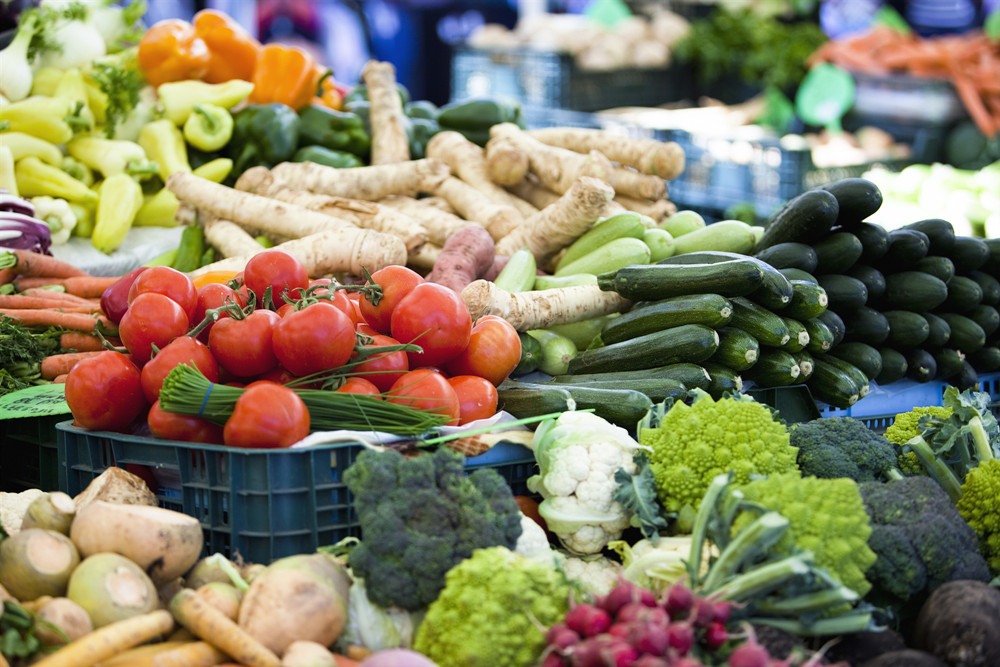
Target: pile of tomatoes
{"type": "Point", "coordinates": [272, 325]}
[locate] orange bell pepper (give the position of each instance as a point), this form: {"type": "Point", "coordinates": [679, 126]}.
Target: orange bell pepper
{"type": "Point", "coordinates": [172, 51]}
{"type": "Point", "coordinates": [285, 75]}
{"type": "Point", "coordinates": [233, 50]}
{"type": "Point", "coordinates": [328, 93]}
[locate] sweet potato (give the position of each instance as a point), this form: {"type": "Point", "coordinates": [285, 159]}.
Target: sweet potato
{"type": "Point", "coordinates": [465, 256]}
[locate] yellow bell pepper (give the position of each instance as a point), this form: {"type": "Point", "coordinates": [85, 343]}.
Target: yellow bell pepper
{"type": "Point", "coordinates": [45, 81]}
{"type": "Point", "coordinates": [7, 180]}
{"type": "Point", "coordinates": [77, 170]}
{"type": "Point", "coordinates": [160, 209]}
{"type": "Point", "coordinates": [23, 145]}
{"type": "Point", "coordinates": [110, 156]}
{"type": "Point", "coordinates": [73, 89]}
{"type": "Point", "coordinates": [84, 220]}
{"type": "Point", "coordinates": [164, 145]}
{"type": "Point", "coordinates": [35, 178]}
{"type": "Point", "coordinates": [180, 97]}
{"type": "Point", "coordinates": [119, 202]}
{"type": "Point", "coordinates": [42, 117]}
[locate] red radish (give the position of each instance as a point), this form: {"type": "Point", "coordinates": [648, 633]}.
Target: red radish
{"type": "Point", "coordinates": [686, 661]}
{"type": "Point", "coordinates": [553, 660]}
{"type": "Point", "coordinates": [651, 661]}
{"type": "Point", "coordinates": [704, 612]}
{"type": "Point", "coordinates": [651, 639]}
{"type": "Point", "coordinates": [680, 637]}
{"type": "Point", "coordinates": [619, 654]}
{"type": "Point", "coordinates": [715, 636]}
{"type": "Point", "coordinates": [619, 596]}
{"type": "Point", "coordinates": [640, 613]}
{"type": "Point", "coordinates": [561, 636]}
{"type": "Point", "coordinates": [588, 620]}
{"type": "Point", "coordinates": [679, 600]}
{"type": "Point", "coordinates": [749, 654]}
{"type": "Point", "coordinates": [721, 611]}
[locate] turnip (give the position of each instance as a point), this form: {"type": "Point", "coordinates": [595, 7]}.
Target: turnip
{"type": "Point", "coordinates": [60, 620]}
{"type": "Point", "coordinates": [960, 623]}
{"type": "Point", "coordinates": [397, 657]}
{"type": "Point", "coordinates": [307, 654]}
{"type": "Point", "coordinates": [111, 588]}
{"type": "Point", "coordinates": [51, 511]}
{"type": "Point", "coordinates": [37, 562]}
{"type": "Point", "coordinates": [209, 569]}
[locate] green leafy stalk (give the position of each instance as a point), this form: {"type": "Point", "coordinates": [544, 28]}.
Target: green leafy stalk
{"type": "Point", "coordinates": [700, 532]}
{"type": "Point", "coordinates": [119, 78]}
{"type": "Point", "coordinates": [749, 545]}
{"type": "Point", "coordinates": [765, 578]}
{"type": "Point", "coordinates": [809, 603]}
{"type": "Point", "coordinates": [935, 467]}
{"type": "Point", "coordinates": [844, 624]}
{"type": "Point", "coordinates": [637, 494]}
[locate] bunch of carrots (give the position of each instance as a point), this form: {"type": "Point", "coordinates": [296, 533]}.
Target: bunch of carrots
{"type": "Point", "coordinates": [971, 61]}
{"type": "Point", "coordinates": [39, 290]}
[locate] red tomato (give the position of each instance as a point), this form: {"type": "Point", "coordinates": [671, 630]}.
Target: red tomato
{"type": "Point", "coordinates": [435, 318]}
{"type": "Point", "coordinates": [279, 375]}
{"type": "Point", "coordinates": [181, 350]}
{"type": "Point", "coordinates": [426, 389]}
{"type": "Point", "coordinates": [477, 397]}
{"type": "Point", "coordinates": [383, 368]}
{"type": "Point", "coordinates": [151, 319]}
{"type": "Point", "coordinates": [396, 282]}
{"type": "Point", "coordinates": [356, 385]}
{"type": "Point", "coordinates": [187, 428]}
{"type": "Point", "coordinates": [494, 350]}
{"type": "Point", "coordinates": [104, 392]}
{"type": "Point", "coordinates": [275, 269]}
{"type": "Point", "coordinates": [366, 329]}
{"type": "Point", "coordinates": [210, 297]}
{"type": "Point", "coordinates": [114, 300]}
{"type": "Point", "coordinates": [243, 347]}
{"type": "Point", "coordinates": [317, 338]}
{"type": "Point", "coordinates": [267, 415]}
{"type": "Point", "coordinates": [170, 283]}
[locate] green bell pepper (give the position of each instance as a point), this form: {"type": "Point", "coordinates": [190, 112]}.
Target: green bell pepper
{"type": "Point", "coordinates": [419, 131]}
{"type": "Point", "coordinates": [263, 135]}
{"type": "Point", "coordinates": [421, 109]}
{"type": "Point", "coordinates": [336, 130]}
{"type": "Point", "coordinates": [479, 114]}
{"type": "Point", "coordinates": [327, 157]}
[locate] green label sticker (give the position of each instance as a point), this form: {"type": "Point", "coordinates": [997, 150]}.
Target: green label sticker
{"type": "Point", "coordinates": [38, 401]}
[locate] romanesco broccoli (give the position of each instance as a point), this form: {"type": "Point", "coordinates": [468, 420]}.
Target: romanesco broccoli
{"type": "Point", "coordinates": [692, 444]}
{"type": "Point", "coordinates": [493, 610]}
{"type": "Point", "coordinates": [905, 426]}
{"type": "Point", "coordinates": [827, 518]}
{"type": "Point", "coordinates": [980, 507]}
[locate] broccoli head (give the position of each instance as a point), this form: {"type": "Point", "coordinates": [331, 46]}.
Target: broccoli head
{"type": "Point", "coordinates": [980, 506]}
{"type": "Point", "coordinates": [905, 427]}
{"type": "Point", "coordinates": [494, 610]}
{"type": "Point", "coordinates": [843, 447]}
{"type": "Point", "coordinates": [827, 518]}
{"type": "Point", "coordinates": [919, 537]}
{"type": "Point", "coordinates": [421, 516]}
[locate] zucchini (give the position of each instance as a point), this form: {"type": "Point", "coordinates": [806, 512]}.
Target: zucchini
{"type": "Point", "coordinates": [660, 281]}
{"type": "Point", "coordinates": [986, 317]}
{"type": "Point", "coordinates": [557, 351]}
{"type": "Point", "coordinates": [940, 234]}
{"type": "Point", "coordinates": [624, 407]}
{"type": "Point", "coordinates": [969, 252]}
{"type": "Point", "coordinates": [872, 278]}
{"type": "Point", "coordinates": [798, 335]}
{"type": "Point", "coordinates": [808, 300]}
{"type": "Point", "coordinates": [612, 256]}
{"type": "Point", "coordinates": [737, 349]}
{"type": "Point", "coordinates": [774, 292]}
{"type": "Point", "coordinates": [994, 247]}
{"type": "Point", "coordinates": [914, 290]}
{"type": "Point", "coordinates": [938, 266]}
{"type": "Point", "coordinates": [874, 240]}
{"type": "Point", "coordinates": [804, 219]}
{"type": "Point", "coordinates": [657, 390]}
{"type": "Point", "coordinates": [831, 385]}
{"type": "Point", "coordinates": [768, 328]}
{"type": "Point", "coordinates": [835, 324]}
{"type": "Point", "coordinates": [940, 332]}
{"type": "Point", "coordinates": [862, 356]}
{"type": "Point", "coordinates": [860, 379]}
{"type": "Point", "coordinates": [584, 332]}
{"type": "Point", "coordinates": [837, 252]}
{"type": "Point", "coordinates": [660, 243]}
{"type": "Point", "coordinates": [798, 274]}
{"type": "Point", "coordinates": [524, 401]}
{"type": "Point", "coordinates": [617, 226]}
{"type": "Point", "coordinates": [711, 310]}
{"type": "Point", "coordinates": [857, 198]}
{"type": "Point", "coordinates": [518, 274]}
{"type": "Point", "coordinates": [692, 376]}
{"type": "Point", "coordinates": [531, 355]}
{"type": "Point", "coordinates": [727, 235]}
{"type": "Point", "coordinates": [985, 359]}
{"type": "Point", "coordinates": [555, 282]}
{"type": "Point", "coordinates": [687, 343]}
{"type": "Point", "coordinates": [775, 368]}
{"type": "Point", "coordinates": [906, 329]}
{"type": "Point", "coordinates": [867, 325]}
{"type": "Point", "coordinates": [790, 255]}
{"type": "Point", "coordinates": [724, 380]}
{"type": "Point", "coordinates": [920, 365]}
{"type": "Point", "coordinates": [843, 292]}
{"type": "Point", "coordinates": [964, 294]}
{"type": "Point", "coordinates": [966, 335]}
{"type": "Point", "coordinates": [906, 247]}
{"type": "Point", "coordinates": [967, 378]}
{"type": "Point", "coordinates": [989, 285]}
{"type": "Point", "coordinates": [683, 222]}
{"type": "Point", "coordinates": [894, 366]}
{"type": "Point", "coordinates": [949, 363]}
{"type": "Point", "coordinates": [805, 362]}
{"type": "Point", "coordinates": [821, 337]}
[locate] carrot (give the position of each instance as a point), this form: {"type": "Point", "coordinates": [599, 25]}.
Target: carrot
{"type": "Point", "coordinates": [388, 122]}
{"type": "Point", "coordinates": [214, 627]}
{"type": "Point", "coordinates": [369, 183]}
{"type": "Point", "coordinates": [60, 364]}
{"type": "Point", "coordinates": [498, 219]}
{"type": "Point", "coordinates": [80, 342]}
{"type": "Point", "coordinates": [974, 104]}
{"type": "Point", "coordinates": [36, 303]}
{"type": "Point", "coordinates": [36, 264]}
{"type": "Point", "coordinates": [467, 255]}
{"type": "Point", "coordinates": [538, 309]}
{"type": "Point", "coordinates": [53, 318]}
{"type": "Point", "coordinates": [110, 640]}
{"type": "Point", "coordinates": [344, 661]}
{"type": "Point", "coordinates": [141, 656]}
{"type": "Point", "coordinates": [60, 379]}
{"type": "Point", "coordinates": [60, 297]}
{"type": "Point", "coordinates": [83, 286]}
{"type": "Point", "coordinates": [440, 224]}
{"type": "Point", "coordinates": [659, 158]}
{"type": "Point", "coordinates": [192, 654]}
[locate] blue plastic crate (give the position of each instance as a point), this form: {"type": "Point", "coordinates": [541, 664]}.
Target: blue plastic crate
{"type": "Point", "coordinates": [28, 457]}
{"type": "Point", "coordinates": [260, 504]}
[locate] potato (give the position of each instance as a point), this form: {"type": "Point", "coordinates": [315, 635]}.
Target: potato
{"type": "Point", "coordinates": [51, 511]}
{"type": "Point", "coordinates": [67, 616]}
{"type": "Point", "coordinates": [307, 654]}
{"type": "Point", "coordinates": [111, 588]}
{"type": "Point", "coordinates": [37, 562]}
{"type": "Point", "coordinates": [165, 543]}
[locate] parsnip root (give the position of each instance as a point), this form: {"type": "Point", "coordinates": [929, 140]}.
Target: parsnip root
{"type": "Point", "coordinates": [656, 210]}
{"type": "Point", "coordinates": [229, 239]}
{"type": "Point", "coordinates": [368, 183]}
{"type": "Point", "coordinates": [538, 309]}
{"type": "Point", "coordinates": [506, 164]}
{"type": "Point", "coordinates": [534, 192]}
{"type": "Point", "coordinates": [423, 258]}
{"type": "Point", "coordinates": [388, 122]}
{"type": "Point", "coordinates": [659, 158]}
{"type": "Point", "coordinates": [499, 219]}
{"type": "Point", "coordinates": [440, 224]}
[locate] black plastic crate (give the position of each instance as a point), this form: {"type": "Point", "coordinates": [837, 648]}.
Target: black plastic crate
{"type": "Point", "coordinates": [28, 457]}
{"type": "Point", "coordinates": [260, 504]}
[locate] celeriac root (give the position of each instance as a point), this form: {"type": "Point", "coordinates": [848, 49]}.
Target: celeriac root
{"type": "Point", "coordinates": [657, 210]}
{"type": "Point", "coordinates": [368, 183]}
{"type": "Point", "coordinates": [659, 158]}
{"type": "Point", "coordinates": [388, 122]}
{"type": "Point", "coordinates": [499, 219]}
{"type": "Point", "coordinates": [440, 224]}
{"type": "Point", "coordinates": [506, 164]}
{"type": "Point", "coordinates": [229, 239]}
{"type": "Point", "coordinates": [538, 309]}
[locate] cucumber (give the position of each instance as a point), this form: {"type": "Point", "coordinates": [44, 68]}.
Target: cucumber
{"type": "Point", "coordinates": [737, 349]}
{"type": "Point", "coordinates": [860, 355]}
{"type": "Point", "coordinates": [949, 363]}
{"type": "Point", "coordinates": [967, 378]}
{"type": "Point", "coordinates": [711, 310]}
{"type": "Point", "coordinates": [687, 343]}
{"type": "Point", "coordinates": [985, 359]}
{"type": "Point", "coordinates": [775, 291]}
{"type": "Point", "coordinates": [804, 219]}
{"type": "Point", "coordinates": [906, 329]}
{"type": "Point", "coordinates": [874, 240]}
{"type": "Point", "coordinates": [727, 235]}
{"type": "Point", "coordinates": [725, 380]}
{"type": "Point", "coordinates": [894, 366]}
{"type": "Point", "coordinates": [808, 300]}
{"type": "Point", "coordinates": [872, 278]}
{"type": "Point", "coordinates": [657, 390]}
{"type": "Point", "coordinates": [843, 292]}
{"type": "Point", "coordinates": [920, 365]}
{"type": "Point", "coordinates": [683, 222]}
{"type": "Point", "coordinates": [989, 285]}
{"type": "Point", "coordinates": [940, 234]}
{"type": "Point", "coordinates": [867, 325]}
{"type": "Point", "coordinates": [986, 317]}
{"type": "Point", "coordinates": [906, 248]}
{"type": "Point", "coordinates": [835, 324]}
{"type": "Point", "coordinates": [660, 243]}
{"type": "Point", "coordinates": [612, 256]}
{"type": "Point", "coordinates": [557, 351]}
{"type": "Point", "coordinates": [937, 266]}
{"type": "Point", "coordinates": [798, 274]}
{"type": "Point", "coordinates": [624, 407]}
{"type": "Point", "coordinates": [831, 385]}
{"type": "Point", "coordinates": [531, 355]}
{"type": "Point", "coordinates": [798, 335]}
{"type": "Point", "coordinates": [939, 333]}
{"type": "Point", "coordinates": [527, 401]}
{"type": "Point", "coordinates": [660, 281]}
{"type": "Point", "coordinates": [775, 368]}
{"type": "Point", "coordinates": [857, 198]}
{"type": "Point", "coordinates": [617, 226]}
{"type": "Point", "coordinates": [692, 376]}
{"type": "Point", "coordinates": [914, 290]}
{"type": "Point", "coordinates": [821, 337]}
{"type": "Point", "coordinates": [768, 328]}
{"type": "Point", "coordinates": [862, 381]}
{"type": "Point", "coordinates": [806, 363]}
{"type": "Point", "coordinates": [964, 294]}
{"type": "Point", "coordinates": [969, 252]}
{"type": "Point", "coordinates": [518, 274]}
{"type": "Point", "coordinates": [790, 255]}
{"type": "Point", "coordinates": [837, 252]}
{"type": "Point", "coordinates": [966, 335]}
{"type": "Point", "coordinates": [555, 282]}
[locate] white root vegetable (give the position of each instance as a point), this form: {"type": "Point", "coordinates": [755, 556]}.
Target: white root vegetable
{"type": "Point", "coordinates": [37, 562]}
{"type": "Point", "coordinates": [498, 219]}
{"type": "Point", "coordinates": [229, 239]}
{"type": "Point", "coordinates": [214, 568]}
{"type": "Point", "coordinates": [388, 122]}
{"type": "Point", "coordinates": [658, 210]}
{"type": "Point", "coordinates": [439, 223]}
{"type": "Point", "coordinates": [423, 258]}
{"type": "Point", "coordinates": [70, 620]}
{"type": "Point", "coordinates": [307, 654]}
{"type": "Point", "coordinates": [534, 192]}
{"type": "Point", "coordinates": [631, 183]}
{"type": "Point", "coordinates": [165, 543]}
{"type": "Point", "coordinates": [117, 485]}
{"type": "Point", "coordinates": [52, 511]}
{"type": "Point", "coordinates": [659, 158]}
{"type": "Point", "coordinates": [111, 588]}
{"type": "Point", "coordinates": [368, 183]}
{"type": "Point", "coordinates": [439, 203]}
{"type": "Point", "coordinates": [538, 309]}
{"type": "Point", "coordinates": [561, 223]}
{"type": "Point", "coordinates": [506, 164]}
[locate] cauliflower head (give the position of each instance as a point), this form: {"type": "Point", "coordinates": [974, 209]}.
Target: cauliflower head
{"type": "Point", "coordinates": [694, 443]}
{"type": "Point", "coordinates": [493, 610]}
{"type": "Point", "coordinates": [980, 507]}
{"type": "Point", "coordinates": [827, 517]}
{"type": "Point", "coordinates": [596, 576]}
{"type": "Point", "coordinates": [905, 427]}
{"type": "Point", "coordinates": [578, 455]}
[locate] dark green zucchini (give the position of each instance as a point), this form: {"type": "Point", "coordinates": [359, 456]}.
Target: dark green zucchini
{"type": "Point", "coordinates": [798, 274]}
{"type": "Point", "coordinates": [804, 219]}
{"type": "Point", "coordinates": [808, 300]}
{"type": "Point", "coordinates": [969, 252]}
{"type": "Point", "coordinates": [985, 359]}
{"type": "Point", "coordinates": [724, 380]}
{"type": "Point", "coordinates": [712, 310]}
{"type": "Point", "coordinates": [906, 329]}
{"type": "Point", "coordinates": [866, 325]}
{"type": "Point", "coordinates": [798, 335]}
{"type": "Point", "coordinates": [790, 255]}
{"type": "Point", "coordinates": [831, 385]}
{"type": "Point", "coordinates": [860, 379]}
{"type": "Point", "coordinates": [874, 239]}
{"type": "Point", "coordinates": [843, 292]}
{"type": "Point", "coordinates": [994, 247]}
{"type": "Point", "coordinates": [989, 285]}
{"type": "Point", "coordinates": [986, 317]}
{"type": "Point", "coordinates": [872, 278]}
{"type": "Point", "coordinates": [862, 356]}
{"type": "Point", "coordinates": [857, 198]}
{"type": "Point", "coordinates": [938, 266]}
{"type": "Point", "coordinates": [940, 234]}
{"type": "Point", "coordinates": [940, 332]}
{"type": "Point", "coordinates": [531, 355]}
{"type": "Point", "coordinates": [775, 368]}
{"type": "Point", "coordinates": [913, 290]}
{"type": "Point", "coordinates": [525, 401]}
{"type": "Point", "coordinates": [964, 294]}
{"type": "Point", "coordinates": [920, 365]}
{"type": "Point", "coordinates": [949, 362]}
{"type": "Point", "coordinates": [906, 247]}
{"type": "Point", "coordinates": [966, 335]}
{"type": "Point", "coordinates": [967, 378]}
{"type": "Point", "coordinates": [624, 407]}
{"type": "Point", "coordinates": [894, 366]}
{"type": "Point", "coordinates": [737, 349]}
{"type": "Point", "coordinates": [775, 291]}
{"type": "Point", "coordinates": [689, 343]}
{"type": "Point", "coordinates": [653, 282]}
{"type": "Point", "coordinates": [692, 376]}
{"type": "Point", "coordinates": [805, 362]}
{"type": "Point", "coordinates": [835, 324]}
{"type": "Point", "coordinates": [821, 338]}
{"type": "Point", "coordinates": [837, 252]}
{"type": "Point", "coordinates": [768, 328]}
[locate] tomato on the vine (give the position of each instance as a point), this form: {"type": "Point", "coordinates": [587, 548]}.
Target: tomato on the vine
{"type": "Point", "coordinates": [104, 392]}
{"type": "Point", "coordinates": [435, 318]}
{"type": "Point", "coordinates": [396, 282]}
{"type": "Point", "coordinates": [151, 319]}
{"type": "Point", "coordinates": [276, 269]}
{"type": "Point", "coordinates": [212, 296]}
{"type": "Point", "coordinates": [494, 350]}
{"type": "Point", "coordinates": [267, 414]}
{"type": "Point", "coordinates": [320, 337]}
{"type": "Point", "coordinates": [477, 397]}
{"type": "Point", "coordinates": [187, 428]}
{"type": "Point", "coordinates": [426, 389]}
{"type": "Point", "coordinates": [181, 350]}
{"type": "Point", "coordinates": [170, 283]}
{"type": "Point", "coordinates": [356, 385]}
{"type": "Point", "coordinates": [381, 368]}
{"type": "Point", "coordinates": [243, 347]}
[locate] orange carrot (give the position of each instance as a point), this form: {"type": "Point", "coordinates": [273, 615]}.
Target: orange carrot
{"type": "Point", "coordinates": [974, 104]}
{"type": "Point", "coordinates": [53, 318]}
{"type": "Point", "coordinates": [58, 296]}
{"type": "Point", "coordinates": [59, 364]}
{"type": "Point", "coordinates": [192, 654]}
{"type": "Point", "coordinates": [80, 342]}
{"type": "Point", "coordinates": [7, 275]}
{"type": "Point", "coordinates": [36, 264]}
{"type": "Point", "coordinates": [35, 303]}
{"type": "Point", "coordinates": [60, 379]}
{"type": "Point", "coordinates": [110, 640]}
{"type": "Point", "coordinates": [85, 286]}
{"type": "Point", "coordinates": [211, 625]}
